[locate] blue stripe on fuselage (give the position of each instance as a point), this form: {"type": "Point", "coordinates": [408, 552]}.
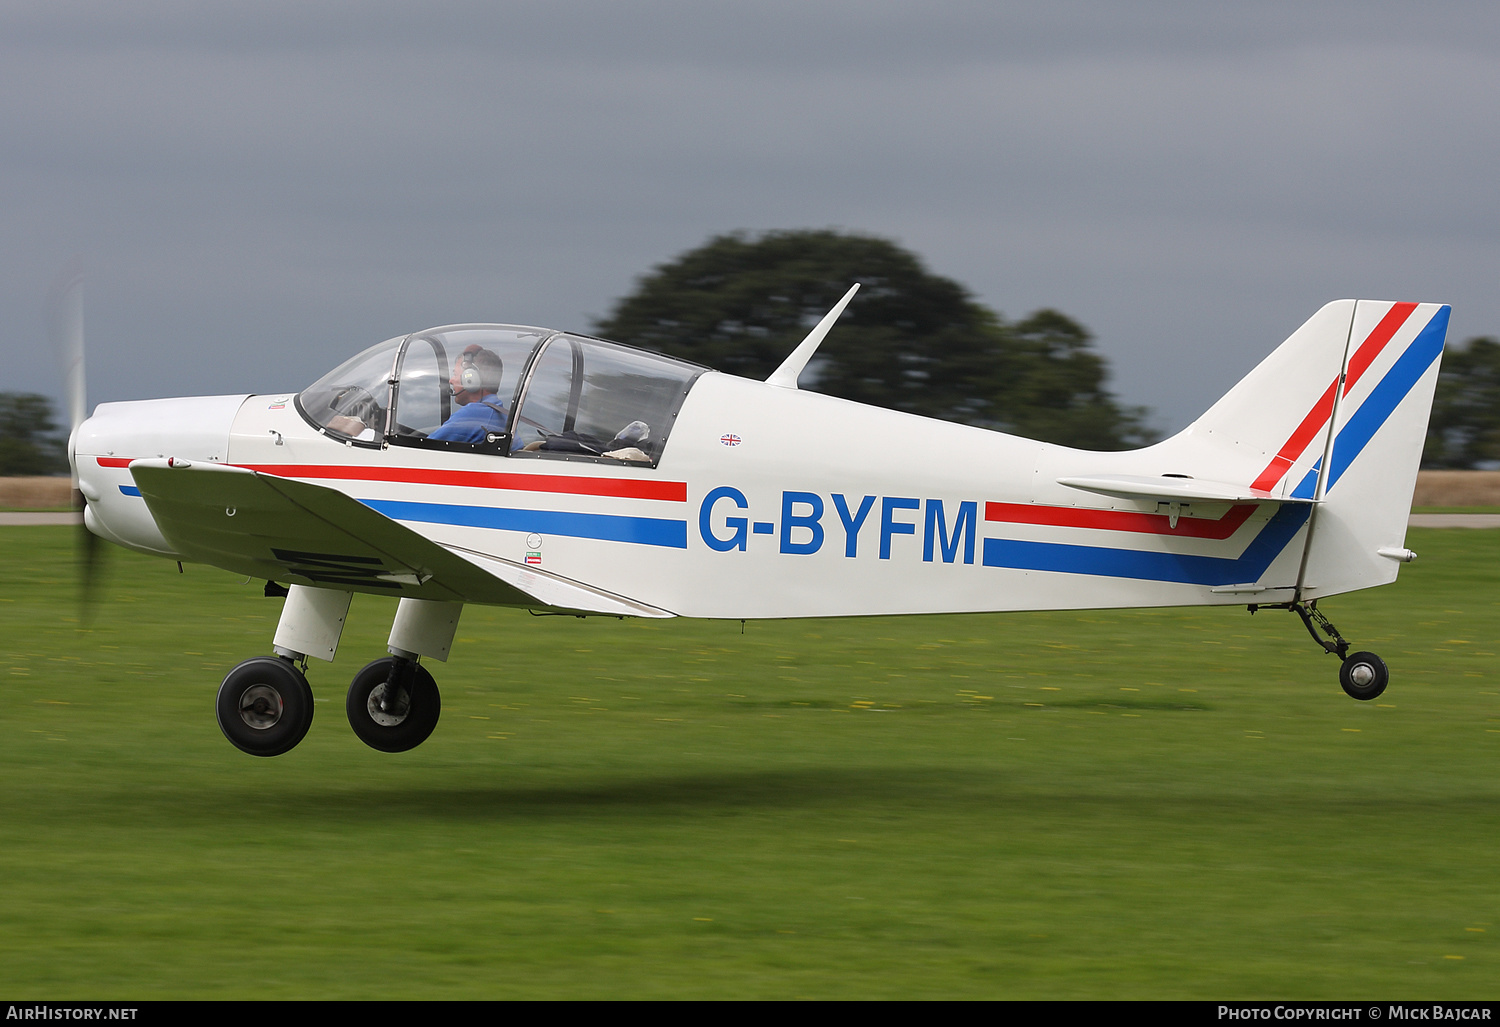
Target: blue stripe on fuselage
{"type": "Point", "coordinates": [648, 531]}
{"type": "Point", "coordinates": [1132, 563]}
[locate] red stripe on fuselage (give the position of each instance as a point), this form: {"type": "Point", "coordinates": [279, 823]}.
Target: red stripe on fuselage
{"type": "Point", "coordinates": [1322, 410]}
{"type": "Point", "coordinates": [620, 488]}
{"type": "Point", "coordinates": [1120, 520]}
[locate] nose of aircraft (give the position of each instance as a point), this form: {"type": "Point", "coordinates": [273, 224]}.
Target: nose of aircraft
{"type": "Point", "coordinates": [102, 447]}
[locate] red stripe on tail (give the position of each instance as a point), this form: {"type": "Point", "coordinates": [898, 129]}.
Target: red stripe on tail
{"type": "Point", "coordinates": [1322, 410]}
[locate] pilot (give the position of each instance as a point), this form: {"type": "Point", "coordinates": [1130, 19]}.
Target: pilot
{"type": "Point", "coordinates": [475, 383]}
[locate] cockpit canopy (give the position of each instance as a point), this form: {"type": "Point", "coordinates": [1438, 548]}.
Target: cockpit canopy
{"type": "Point", "coordinates": [507, 390]}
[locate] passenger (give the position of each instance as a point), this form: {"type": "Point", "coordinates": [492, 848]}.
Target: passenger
{"type": "Point", "coordinates": [475, 383]}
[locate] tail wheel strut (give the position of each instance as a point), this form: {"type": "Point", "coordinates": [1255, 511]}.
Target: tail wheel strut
{"type": "Point", "coordinates": [1363, 675]}
{"type": "Point", "coordinates": [1335, 642]}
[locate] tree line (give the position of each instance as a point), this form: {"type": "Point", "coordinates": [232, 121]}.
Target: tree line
{"type": "Point", "coordinates": [30, 441]}
{"type": "Point", "coordinates": [1464, 431]}
{"type": "Point", "coordinates": [911, 340]}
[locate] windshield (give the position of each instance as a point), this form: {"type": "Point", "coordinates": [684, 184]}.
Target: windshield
{"type": "Point", "coordinates": [351, 400]}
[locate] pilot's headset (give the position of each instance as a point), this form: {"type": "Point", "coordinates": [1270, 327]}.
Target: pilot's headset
{"type": "Point", "coordinates": [472, 377]}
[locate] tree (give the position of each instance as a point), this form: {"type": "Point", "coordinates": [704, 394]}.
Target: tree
{"type": "Point", "coordinates": [1057, 393]}
{"type": "Point", "coordinates": [1464, 430]}
{"type": "Point", "coordinates": [28, 443]}
{"type": "Point", "coordinates": [910, 340]}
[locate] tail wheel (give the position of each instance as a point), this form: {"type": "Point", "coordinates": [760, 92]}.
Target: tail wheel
{"type": "Point", "coordinates": [1364, 675]}
{"type": "Point", "coordinates": [265, 706]}
{"type": "Point", "coordinates": [393, 722]}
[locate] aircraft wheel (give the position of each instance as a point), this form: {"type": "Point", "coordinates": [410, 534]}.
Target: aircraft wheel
{"type": "Point", "coordinates": [1364, 675]}
{"type": "Point", "coordinates": [265, 706]}
{"type": "Point", "coordinates": [392, 730]}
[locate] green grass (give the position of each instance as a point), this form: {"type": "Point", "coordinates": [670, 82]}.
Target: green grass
{"type": "Point", "coordinates": [1455, 509]}
{"type": "Point", "coordinates": [1164, 804]}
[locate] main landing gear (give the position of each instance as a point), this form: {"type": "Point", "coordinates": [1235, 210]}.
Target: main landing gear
{"type": "Point", "coordinates": [265, 705]}
{"type": "Point", "coordinates": [1363, 675]}
{"type": "Point", "coordinates": [393, 704]}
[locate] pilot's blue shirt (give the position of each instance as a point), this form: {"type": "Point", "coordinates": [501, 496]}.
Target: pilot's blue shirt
{"type": "Point", "coordinates": [470, 422]}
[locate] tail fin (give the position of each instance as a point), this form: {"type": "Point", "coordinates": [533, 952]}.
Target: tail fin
{"type": "Point", "coordinates": [1337, 414]}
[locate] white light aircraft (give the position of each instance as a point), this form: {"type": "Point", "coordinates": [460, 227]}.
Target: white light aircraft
{"type": "Point", "coordinates": [525, 467]}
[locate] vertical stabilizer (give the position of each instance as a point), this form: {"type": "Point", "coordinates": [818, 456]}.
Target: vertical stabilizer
{"type": "Point", "coordinates": [1335, 416]}
{"type": "Point", "coordinates": [1270, 429]}
{"type": "Point", "coordinates": [1376, 434]}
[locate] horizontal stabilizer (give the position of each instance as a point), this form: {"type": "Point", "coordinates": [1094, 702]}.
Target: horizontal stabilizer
{"type": "Point", "coordinates": [1173, 489]}
{"type": "Point", "coordinates": [294, 531]}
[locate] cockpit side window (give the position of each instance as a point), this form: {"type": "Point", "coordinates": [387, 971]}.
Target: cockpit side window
{"type": "Point", "coordinates": [549, 394]}
{"type": "Point", "coordinates": [422, 398]}
{"type": "Point", "coordinates": [590, 399]}
{"type": "Point", "coordinates": [456, 387]}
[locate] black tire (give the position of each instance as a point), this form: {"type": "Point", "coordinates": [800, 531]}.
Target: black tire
{"type": "Point", "coordinates": [265, 706]}
{"type": "Point", "coordinates": [384, 731]}
{"type": "Point", "coordinates": [1364, 676]}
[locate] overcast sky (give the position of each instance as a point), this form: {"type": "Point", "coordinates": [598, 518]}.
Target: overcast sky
{"type": "Point", "coordinates": [259, 190]}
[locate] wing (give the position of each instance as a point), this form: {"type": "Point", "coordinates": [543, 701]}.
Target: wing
{"type": "Point", "coordinates": [285, 530]}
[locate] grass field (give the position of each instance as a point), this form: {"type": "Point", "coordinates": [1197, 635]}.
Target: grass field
{"type": "Point", "coordinates": [1163, 804]}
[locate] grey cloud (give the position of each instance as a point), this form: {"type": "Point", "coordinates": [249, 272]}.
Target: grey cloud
{"type": "Point", "coordinates": [261, 189]}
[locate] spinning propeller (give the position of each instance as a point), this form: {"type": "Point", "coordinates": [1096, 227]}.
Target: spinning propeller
{"type": "Point", "coordinates": [65, 307]}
